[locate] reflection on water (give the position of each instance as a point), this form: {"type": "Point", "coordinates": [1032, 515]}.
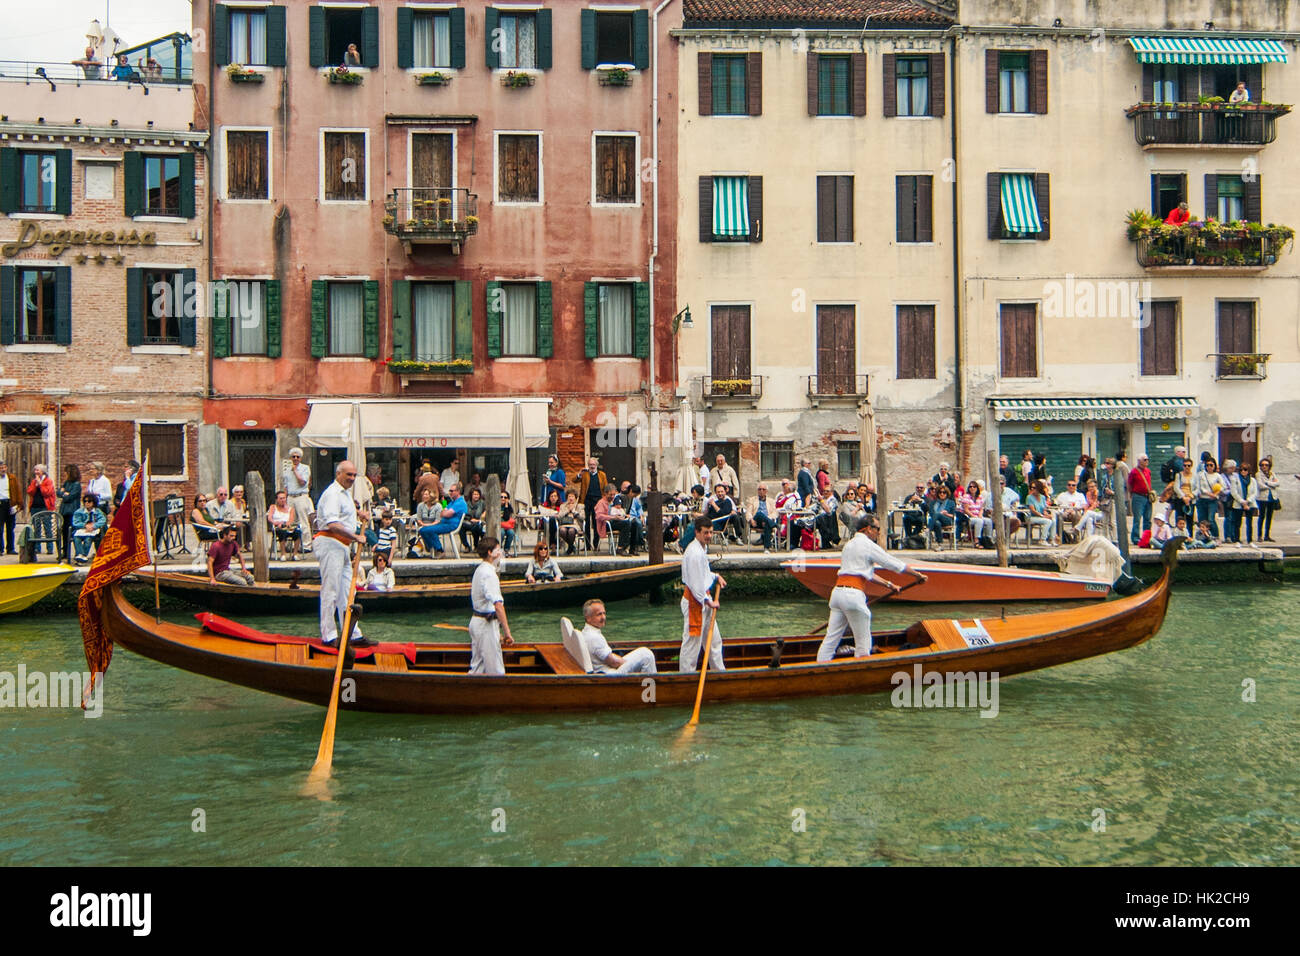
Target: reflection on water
{"type": "Point", "coordinates": [1157, 738]}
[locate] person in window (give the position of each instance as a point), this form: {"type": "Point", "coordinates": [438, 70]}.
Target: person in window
{"type": "Point", "coordinates": [542, 566]}
{"type": "Point", "coordinates": [123, 70]}
{"type": "Point", "coordinates": [1240, 94]}
{"type": "Point", "coordinates": [352, 57]}
{"type": "Point", "coordinates": [90, 524]}
{"type": "Point", "coordinates": [1178, 215]}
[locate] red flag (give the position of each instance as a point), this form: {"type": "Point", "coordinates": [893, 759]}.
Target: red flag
{"type": "Point", "coordinates": [125, 547]}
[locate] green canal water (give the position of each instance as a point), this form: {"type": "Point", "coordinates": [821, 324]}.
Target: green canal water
{"type": "Point", "coordinates": [1156, 743]}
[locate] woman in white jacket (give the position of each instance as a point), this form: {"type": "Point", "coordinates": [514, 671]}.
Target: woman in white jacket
{"type": "Point", "coordinates": [1266, 485]}
{"type": "Point", "coordinates": [1209, 485]}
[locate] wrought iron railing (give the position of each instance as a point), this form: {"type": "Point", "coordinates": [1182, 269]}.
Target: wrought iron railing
{"type": "Point", "coordinates": [431, 213]}
{"type": "Point", "coordinates": [750, 388]}
{"type": "Point", "coordinates": [1222, 251]}
{"type": "Point", "coordinates": [837, 386]}
{"type": "Point", "coordinates": [1252, 365]}
{"type": "Point", "coordinates": [1206, 124]}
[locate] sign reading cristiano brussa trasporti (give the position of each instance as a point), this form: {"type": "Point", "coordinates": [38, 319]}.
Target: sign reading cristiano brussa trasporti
{"type": "Point", "coordinates": [107, 242]}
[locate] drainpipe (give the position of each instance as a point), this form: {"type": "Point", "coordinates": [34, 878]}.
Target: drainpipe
{"type": "Point", "coordinates": [654, 247]}
{"type": "Point", "coordinates": [958, 397]}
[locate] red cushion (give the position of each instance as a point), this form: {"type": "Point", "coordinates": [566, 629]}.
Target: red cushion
{"type": "Point", "coordinates": [228, 628]}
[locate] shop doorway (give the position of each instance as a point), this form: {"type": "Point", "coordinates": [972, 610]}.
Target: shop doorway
{"type": "Point", "coordinates": [252, 451]}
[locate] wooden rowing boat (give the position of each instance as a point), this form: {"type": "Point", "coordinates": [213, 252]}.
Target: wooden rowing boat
{"type": "Point", "coordinates": [282, 597]}
{"type": "Point", "coordinates": [22, 585]}
{"type": "Point", "coordinates": [957, 583]}
{"type": "Point", "coordinates": [433, 678]}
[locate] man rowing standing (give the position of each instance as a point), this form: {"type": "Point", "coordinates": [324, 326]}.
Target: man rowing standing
{"type": "Point", "coordinates": [697, 583]}
{"type": "Point", "coordinates": [488, 607]}
{"type": "Point", "coordinates": [848, 602]}
{"type": "Point", "coordinates": [336, 532]}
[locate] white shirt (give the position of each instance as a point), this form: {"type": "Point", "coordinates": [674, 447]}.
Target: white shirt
{"type": "Point", "coordinates": [1071, 499]}
{"type": "Point", "coordinates": [449, 478]}
{"type": "Point", "coordinates": [378, 580]}
{"type": "Point", "coordinates": [696, 576]}
{"type": "Point", "coordinates": [704, 476]}
{"type": "Point", "coordinates": [1010, 499]}
{"type": "Point", "coordinates": [598, 648]}
{"type": "Point", "coordinates": [862, 556]}
{"type": "Point", "coordinates": [297, 480]}
{"type": "Point", "coordinates": [100, 487]}
{"type": "Point", "coordinates": [485, 588]}
{"type": "Point", "coordinates": [336, 507]}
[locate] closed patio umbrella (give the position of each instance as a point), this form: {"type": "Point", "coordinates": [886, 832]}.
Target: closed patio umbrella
{"type": "Point", "coordinates": [517, 485]}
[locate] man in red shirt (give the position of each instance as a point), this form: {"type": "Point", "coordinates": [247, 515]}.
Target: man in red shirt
{"type": "Point", "coordinates": [1178, 215]}
{"type": "Point", "coordinates": [219, 554]}
{"type": "Point", "coordinates": [1139, 486]}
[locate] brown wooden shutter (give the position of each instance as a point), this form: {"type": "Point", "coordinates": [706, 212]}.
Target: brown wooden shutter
{"type": "Point", "coordinates": [1147, 341]}
{"type": "Point", "coordinates": [1043, 193]}
{"type": "Point", "coordinates": [1149, 85]}
{"type": "Point", "coordinates": [1019, 342]}
{"type": "Point", "coordinates": [730, 338]}
{"type": "Point", "coordinates": [1251, 201]}
{"type": "Point", "coordinates": [755, 208]}
{"type": "Point", "coordinates": [836, 349]}
{"type": "Point", "coordinates": [1038, 81]}
{"type": "Point", "coordinates": [858, 66]}
{"type": "Point", "coordinates": [915, 341]}
{"type": "Point", "coordinates": [990, 81]}
{"type": "Point", "coordinates": [754, 83]}
{"type": "Point", "coordinates": [995, 205]}
{"type": "Point", "coordinates": [720, 344]}
{"type": "Point", "coordinates": [938, 84]}
{"type": "Point", "coordinates": [825, 208]}
{"type": "Point", "coordinates": [905, 208]}
{"type": "Point", "coordinates": [704, 62]}
{"type": "Point", "coordinates": [812, 84]}
{"type": "Point", "coordinates": [905, 343]}
{"type": "Point", "coordinates": [1236, 327]}
{"type": "Point", "coordinates": [1166, 325]}
{"type": "Point", "coordinates": [889, 83]}
{"type": "Point", "coordinates": [924, 210]}
{"type": "Point", "coordinates": [843, 208]}
{"type": "Point", "coordinates": [1211, 195]}
{"type": "Point", "coordinates": [706, 209]}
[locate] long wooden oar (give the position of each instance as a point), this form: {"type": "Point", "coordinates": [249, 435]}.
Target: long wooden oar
{"type": "Point", "coordinates": [320, 770]}
{"type": "Point", "coordinates": [709, 622]}
{"type": "Point", "coordinates": [451, 627]}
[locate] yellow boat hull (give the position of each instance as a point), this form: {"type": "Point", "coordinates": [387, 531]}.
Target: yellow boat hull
{"type": "Point", "coordinates": [22, 585]}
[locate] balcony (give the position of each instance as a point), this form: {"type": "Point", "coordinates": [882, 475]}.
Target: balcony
{"type": "Point", "coordinates": [1207, 247]}
{"type": "Point", "coordinates": [1216, 125]}
{"type": "Point", "coordinates": [822, 388]}
{"type": "Point", "coordinates": [1241, 366]}
{"type": "Point", "coordinates": [744, 391]}
{"type": "Point", "coordinates": [412, 372]}
{"type": "Point", "coordinates": [431, 216]}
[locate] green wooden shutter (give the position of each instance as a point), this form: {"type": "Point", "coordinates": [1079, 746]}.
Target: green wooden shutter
{"type": "Point", "coordinates": [8, 312]}
{"type": "Point", "coordinates": [543, 39]}
{"type": "Point", "coordinates": [134, 306]}
{"type": "Point", "coordinates": [641, 319]}
{"type": "Point", "coordinates": [132, 176]}
{"type": "Point", "coordinates": [588, 39]}
{"type": "Point", "coordinates": [8, 180]}
{"type": "Point", "coordinates": [220, 328]}
{"type": "Point", "coordinates": [63, 182]}
{"type": "Point", "coordinates": [641, 39]}
{"type": "Point", "coordinates": [370, 37]}
{"type": "Point", "coordinates": [591, 318]}
{"type": "Point", "coordinates": [545, 321]}
{"type": "Point", "coordinates": [491, 23]}
{"type": "Point", "coordinates": [458, 39]}
{"type": "Point", "coordinates": [220, 35]}
{"type": "Point", "coordinates": [275, 36]}
{"type": "Point", "coordinates": [318, 337]}
{"type": "Point", "coordinates": [187, 308]}
{"type": "Point", "coordinates": [495, 299]}
{"type": "Point", "coordinates": [316, 40]}
{"type": "Point", "coordinates": [187, 185]}
{"type": "Point", "coordinates": [370, 319]}
{"type": "Point", "coordinates": [273, 318]}
{"type": "Point", "coordinates": [62, 305]}
{"type": "Point", "coordinates": [405, 39]}
{"type": "Point", "coordinates": [463, 319]}
{"type": "Point", "coordinates": [401, 320]}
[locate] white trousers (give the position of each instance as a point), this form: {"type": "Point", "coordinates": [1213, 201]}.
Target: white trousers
{"type": "Point", "coordinates": [691, 645]}
{"type": "Point", "coordinates": [485, 647]}
{"type": "Point", "coordinates": [639, 661]}
{"type": "Point", "coordinates": [302, 507]}
{"type": "Point", "coordinates": [335, 579]}
{"type": "Point", "coordinates": [848, 611]}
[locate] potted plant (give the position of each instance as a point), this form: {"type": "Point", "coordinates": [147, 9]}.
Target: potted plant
{"type": "Point", "coordinates": [344, 76]}
{"type": "Point", "coordinates": [239, 73]}
{"type": "Point", "coordinates": [436, 78]}
{"type": "Point", "coordinates": [731, 386]}
{"type": "Point", "coordinates": [615, 76]}
{"type": "Point", "coordinates": [516, 81]}
{"type": "Point", "coordinates": [453, 366]}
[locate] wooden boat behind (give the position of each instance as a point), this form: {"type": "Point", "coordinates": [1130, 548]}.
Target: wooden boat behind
{"type": "Point", "coordinates": [433, 678]}
{"type": "Point", "coordinates": [281, 597]}
{"type": "Point", "coordinates": [957, 583]}
{"type": "Point", "coordinates": [22, 585]}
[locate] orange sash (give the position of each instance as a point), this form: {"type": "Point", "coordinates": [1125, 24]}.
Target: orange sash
{"type": "Point", "coordinates": [694, 615]}
{"type": "Point", "coordinates": [851, 581]}
{"type": "Point", "coordinates": [335, 535]}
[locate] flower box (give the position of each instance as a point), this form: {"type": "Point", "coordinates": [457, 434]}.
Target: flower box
{"type": "Point", "coordinates": [343, 76]}
{"type": "Point", "coordinates": [433, 79]}
{"type": "Point", "coordinates": [410, 366]}
{"type": "Point", "coordinates": [516, 81]}
{"type": "Point", "coordinates": [616, 76]}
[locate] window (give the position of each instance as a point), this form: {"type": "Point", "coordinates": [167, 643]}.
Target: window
{"type": "Point", "coordinates": [36, 306]}
{"type": "Point", "coordinates": [1231, 203]}
{"type": "Point", "coordinates": [915, 341]}
{"type": "Point", "coordinates": [158, 184]}
{"type": "Point", "coordinates": [731, 208]}
{"type": "Point", "coordinates": [39, 172]}
{"type": "Point", "coordinates": [1158, 342]}
{"type": "Point", "coordinates": [1019, 206]}
{"type": "Point", "coordinates": [519, 319]}
{"type": "Point", "coordinates": [613, 37]}
{"type": "Point", "coordinates": [1019, 340]}
{"type": "Point", "coordinates": [433, 329]}
{"type": "Point", "coordinates": [1167, 191]}
{"type": "Point", "coordinates": [344, 170]}
{"type": "Point", "coordinates": [913, 207]}
{"type": "Point", "coordinates": [833, 86]}
{"type": "Point", "coordinates": [1236, 328]}
{"type": "Point", "coordinates": [431, 39]}
{"type": "Point", "coordinates": [729, 90]}
{"type": "Point", "coordinates": [247, 317]}
{"type": "Point", "coordinates": [615, 322]}
{"type": "Point", "coordinates": [848, 458]}
{"type": "Point", "coordinates": [616, 169]}
{"type": "Point", "coordinates": [837, 350]}
{"type": "Point", "coordinates": [344, 318]}
{"type": "Point", "coordinates": [343, 27]}
{"type": "Point", "coordinates": [517, 41]}
{"type": "Point", "coordinates": [36, 181]}
{"type": "Point", "coordinates": [247, 36]}
{"type": "Point", "coordinates": [1013, 83]}
{"type": "Point", "coordinates": [834, 208]}
{"type": "Point", "coordinates": [247, 173]}
{"type": "Point", "coordinates": [912, 85]}
{"type": "Point", "coordinates": [165, 447]}
{"type": "Point", "coordinates": [164, 295]}
{"type": "Point", "coordinates": [162, 185]}
{"type": "Point", "coordinates": [519, 170]}
{"type": "Point", "coordinates": [775, 459]}
{"type": "Point", "coordinates": [729, 335]}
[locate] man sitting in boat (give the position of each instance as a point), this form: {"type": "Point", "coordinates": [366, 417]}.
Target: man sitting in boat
{"type": "Point", "coordinates": [848, 602]}
{"type": "Point", "coordinates": [604, 660]}
{"type": "Point", "coordinates": [219, 555]}
{"type": "Point", "coordinates": [697, 583]}
{"type": "Point", "coordinates": [488, 607]}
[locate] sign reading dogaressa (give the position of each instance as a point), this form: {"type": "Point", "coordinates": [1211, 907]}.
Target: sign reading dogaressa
{"type": "Point", "coordinates": [31, 233]}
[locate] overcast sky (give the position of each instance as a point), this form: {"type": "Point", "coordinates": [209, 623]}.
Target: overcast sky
{"type": "Point", "coordinates": [54, 30]}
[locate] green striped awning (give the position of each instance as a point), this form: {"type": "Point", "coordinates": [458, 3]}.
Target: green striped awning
{"type": "Point", "coordinates": [1091, 409]}
{"type": "Point", "coordinates": [731, 205]}
{"type": "Point", "coordinates": [1019, 204]}
{"type": "Point", "coordinates": [1198, 50]}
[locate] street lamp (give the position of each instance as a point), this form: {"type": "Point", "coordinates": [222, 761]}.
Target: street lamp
{"type": "Point", "coordinates": [682, 320]}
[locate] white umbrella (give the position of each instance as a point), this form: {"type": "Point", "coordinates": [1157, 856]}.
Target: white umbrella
{"type": "Point", "coordinates": [867, 439]}
{"type": "Point", "coordinates": [517, 481]}
{"type": "Point", "coordinates": [363, 491]}
{"type": "Point", "coordinates": [687, 476]}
